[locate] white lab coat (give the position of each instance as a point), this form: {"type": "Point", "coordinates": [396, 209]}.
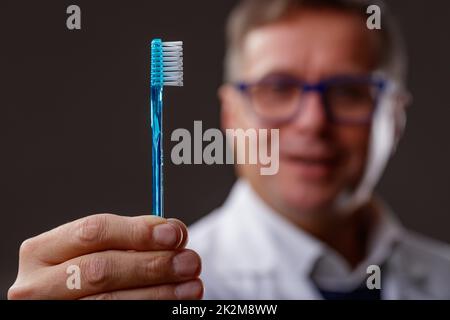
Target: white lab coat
{"type": "Point", "coordinates": [250, 252]}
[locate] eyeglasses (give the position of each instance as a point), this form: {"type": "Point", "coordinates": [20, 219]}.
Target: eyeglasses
{"type": "Point", "coordinates": [346, 99]}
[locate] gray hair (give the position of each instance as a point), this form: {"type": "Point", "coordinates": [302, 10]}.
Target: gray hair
{"type": "Point", "coordinates": [250, 14]}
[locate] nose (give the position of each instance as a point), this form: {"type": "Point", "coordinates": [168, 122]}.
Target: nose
{"type": "Point", "coordinates": [312, 117]}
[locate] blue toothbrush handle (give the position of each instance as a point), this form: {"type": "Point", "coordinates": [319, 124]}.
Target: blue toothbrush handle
{"type": "Point", "coordinates": [156, 111]}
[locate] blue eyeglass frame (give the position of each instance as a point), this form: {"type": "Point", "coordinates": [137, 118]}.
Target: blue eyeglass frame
{"type": "Point", "coordinates": [321, 86]}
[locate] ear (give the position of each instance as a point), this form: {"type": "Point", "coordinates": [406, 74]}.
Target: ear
{"type": "Point", "coordinates": [402, 102]}
{"type": "Point", "coordinates": [227, 97]}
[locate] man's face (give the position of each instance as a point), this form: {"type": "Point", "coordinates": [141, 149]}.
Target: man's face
{"type": "Point", "coordinates": [318, 159]}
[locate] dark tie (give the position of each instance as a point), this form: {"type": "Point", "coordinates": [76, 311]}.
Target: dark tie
{"type": "Point", "coordinates": [362, 293]}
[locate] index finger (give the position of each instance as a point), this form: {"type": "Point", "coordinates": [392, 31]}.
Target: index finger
{"type": "Point", "coordinates": [105, 232]}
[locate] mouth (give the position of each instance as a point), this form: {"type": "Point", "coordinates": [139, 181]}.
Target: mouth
{"type": "Point", "coordinates": [310, 167]}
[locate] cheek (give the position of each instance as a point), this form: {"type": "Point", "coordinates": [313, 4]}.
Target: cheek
{"type": "Point", "coordinates": [242, 118]}
{"type": "Point", "coordinates": [240, 115]}
{"type": "Point", "coordinates": [353, 143]}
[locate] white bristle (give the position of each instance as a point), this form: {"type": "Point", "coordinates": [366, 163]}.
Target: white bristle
{"type": "Point", "coordinates": [173, 63]}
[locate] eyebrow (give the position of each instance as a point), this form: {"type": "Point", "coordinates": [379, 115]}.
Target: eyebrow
{"type": "Point", "coordinates": [282, 75]}
{"type": "Point", "coordinates": [289, 75]}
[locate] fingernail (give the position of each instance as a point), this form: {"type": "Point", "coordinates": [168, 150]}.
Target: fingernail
{"type": "Point", "coordinates": [189, 290]}
{"type": "Point", "coordinates": [165, 235]}
{"type": "Point", "coordinates": [184, 236]}
{"type": "Point", "coordinates": [186, 264]}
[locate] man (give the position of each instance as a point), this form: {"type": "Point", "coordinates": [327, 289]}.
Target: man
{"type": "Point", "coordinates": [334, 90]}
{"type": "Point", "coordinates": [312, 231]}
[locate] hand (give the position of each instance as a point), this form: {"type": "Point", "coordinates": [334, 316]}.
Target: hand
{"type": "Point", "coordinates": [118, 258]}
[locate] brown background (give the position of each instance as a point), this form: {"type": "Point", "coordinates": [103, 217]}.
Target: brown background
{"type": "Point", "coordinates": [74, 115]}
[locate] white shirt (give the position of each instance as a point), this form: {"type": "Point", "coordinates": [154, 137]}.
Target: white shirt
{"type": "Point", "coordinates": [249, 251]}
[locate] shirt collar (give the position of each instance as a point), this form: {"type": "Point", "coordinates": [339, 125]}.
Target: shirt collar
{"type": "Point", "coordinates": [332, 272]}
{"type": "Point", "coordinates": [262, 239]}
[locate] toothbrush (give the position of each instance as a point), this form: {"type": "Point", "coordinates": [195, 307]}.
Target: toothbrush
{"type": "Point", "coordinates": [166, 70]}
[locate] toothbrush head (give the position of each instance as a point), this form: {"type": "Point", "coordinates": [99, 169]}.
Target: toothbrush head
{"type": "Point", "coordinates": [167, 63]}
